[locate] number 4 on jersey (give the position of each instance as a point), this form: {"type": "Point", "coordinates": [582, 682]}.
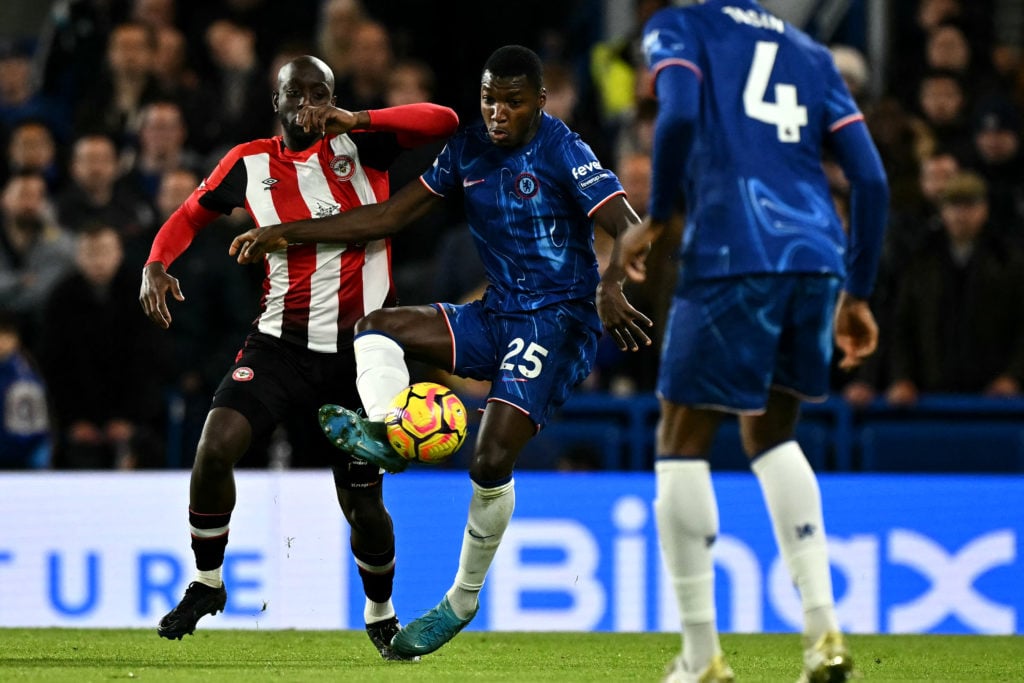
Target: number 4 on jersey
{"type": "Point", "coordinates": [784, 113]}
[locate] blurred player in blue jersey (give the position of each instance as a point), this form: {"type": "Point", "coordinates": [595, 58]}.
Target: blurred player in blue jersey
{"type": "Point", "coordinates": [747, 105]}
{"type": "Point", "coordinates": [533, 191]}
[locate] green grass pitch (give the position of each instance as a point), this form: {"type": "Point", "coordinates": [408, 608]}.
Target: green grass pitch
{"type": "Point", "coordinates": [44, 655]}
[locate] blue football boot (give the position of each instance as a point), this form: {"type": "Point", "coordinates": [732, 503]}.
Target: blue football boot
{"type": "Point", "coordinates": [361, 438]}
{"type": "Point", "coordinates": [431, 631]}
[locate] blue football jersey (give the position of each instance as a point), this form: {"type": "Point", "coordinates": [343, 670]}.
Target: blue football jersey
{"type": "Point", "coordinates": [529, 211]}
{"type": "Point", "coordinates": [757, 198]}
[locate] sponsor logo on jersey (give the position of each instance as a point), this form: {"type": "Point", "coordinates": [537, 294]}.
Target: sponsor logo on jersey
{"type": "Point", "coordinates": [324, 209]}
{"type": "Point", "coordinates": [526, 185]}
{"type": "Point", "coordinates": [586, 169]}
{"type": "Point", "coordinates": [594, 179]}
{"type": "Point", "coordinates": [242, 374]}
{"type": "Point", "coordinates": [466, 182]}
{"type": "Point", "coordinates": [343, 166]}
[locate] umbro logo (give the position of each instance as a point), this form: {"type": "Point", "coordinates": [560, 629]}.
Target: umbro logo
{"type": "Point", "coordinates": [270, 182]}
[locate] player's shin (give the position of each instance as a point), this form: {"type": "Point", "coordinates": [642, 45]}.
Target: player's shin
{"type": "Point", "coordinates": [490, 511]}
{"type": "Point", "coordinates": [381, 372]}
{"type": "Point", "coordinates": [687, 516]}
{"type": "Point", "coordinates": [793, 499]}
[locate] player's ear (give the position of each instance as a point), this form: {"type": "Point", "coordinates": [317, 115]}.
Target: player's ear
{"type": "Point", "coordinates": [334, 101]}
{"type": "Point", "coordinates": [274, 98]}
{"type": "Point", "coordinates": [542, 98]}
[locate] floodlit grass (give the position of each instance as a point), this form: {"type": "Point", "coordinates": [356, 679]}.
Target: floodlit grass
{"type": "Point", "coordinates": [250, 656]}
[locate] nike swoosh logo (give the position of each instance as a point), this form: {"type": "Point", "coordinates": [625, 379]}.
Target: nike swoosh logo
{"type": "Point", "coordinates": [466, 182]}
{"type": "Point", "coordinates": [478, 536]}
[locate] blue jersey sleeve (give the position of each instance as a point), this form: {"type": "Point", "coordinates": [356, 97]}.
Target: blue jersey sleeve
{"type": "Point", "coordinates": [674, 59]}
{"type": "Point", "coordinates": [667, 41]}
{"type": "Point", "coordinates": [592, 184]}
{"type": "Point", "coordinates": [869, 187]}
{"type": "Point", "coordinates": [679, 96]}
{"type": "Point", "coordinates": [444, 176]}
{"type": "Point", "coordinates": [869, 205]}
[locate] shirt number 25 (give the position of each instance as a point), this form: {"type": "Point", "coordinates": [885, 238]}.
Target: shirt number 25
{"type": "Point", "coordinates": [530, 363]}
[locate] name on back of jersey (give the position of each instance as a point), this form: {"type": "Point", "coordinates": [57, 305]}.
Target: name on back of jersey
{"type": "Point", "coordinates": [754, 18]}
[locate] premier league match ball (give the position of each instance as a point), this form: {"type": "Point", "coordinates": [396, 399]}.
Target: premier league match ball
{"type": "Point", "coordinates": [426, 422]}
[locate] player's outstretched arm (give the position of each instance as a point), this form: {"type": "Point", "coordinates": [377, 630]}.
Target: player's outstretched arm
{"type": "Point", "coordinates": [355, 226]}
{"type": "Point", "coordinates": [626, 324]}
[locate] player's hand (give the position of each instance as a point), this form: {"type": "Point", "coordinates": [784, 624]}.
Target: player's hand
{"type": "Point", "coordinates": [856, 332]}
{"type": "Point", "coordinates": [633, 247]}
{"type": "Point", "coordinates": [153, 293]}
{"type": "Point", "coordinates": [252, 245]}
{"type": "Point", "coordinates": [627, 326]}
{"type": "Point", "coordinates": [325, 119]}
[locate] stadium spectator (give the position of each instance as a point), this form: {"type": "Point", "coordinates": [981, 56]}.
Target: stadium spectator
{"type": "Point", "coordinates": [335, 28]}
{"type": "Point", "coordinates": [365, 86]}
{"type": "Point", "coordinates": [617, 74]}
{"type": "Point", "coordinates": [114, 101]}
{"type": "Point", "coordinates": [902, 140]}
{"type": "Point", "coordinates": [162, 147]}
{"type": "Point", "coordinates": [853, 67]}
{"type": "Point", "coordinates": [762, 263]}
{"type": "Point", "coordinates": [233, 92]}
{"type": "Point", "coordinates": [299, 355]}
{"type": "Point", "coordinates": [999, 159]}
{"type": "Point", "coordinates": [104, 365]}
{"type": "Point", "coordinates": [174, 74]}
{"type": "Point", "coordinates": [24, 415]}
{"type": "Point", "coordinates": [20, 96]}
{"type": "Point", "coordinates": [910, 228]}
{"type": "Point", "coordinates": [532, 211]}
{"type": "Point", "coordinates": [156, 14]}
{"type": "Point", "coordinates": [415, 251]}
{"type": "Point", "coordinates": [943, 105]}
{"type": "Point", "coordinates": [959, 322]}
{"type": "Point", "coordinates": [96, 194]}
{"type": "Point", "coordinates": [35, 251]}
{"type": "Point", "coordinates": [33, 149]}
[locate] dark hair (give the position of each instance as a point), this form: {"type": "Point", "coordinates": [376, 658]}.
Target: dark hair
{"type": "Point", "coordinates": [516, 60]}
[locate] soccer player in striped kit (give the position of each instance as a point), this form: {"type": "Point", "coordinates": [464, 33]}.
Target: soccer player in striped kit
{"type": "Point", "coordinates": [300, 355]}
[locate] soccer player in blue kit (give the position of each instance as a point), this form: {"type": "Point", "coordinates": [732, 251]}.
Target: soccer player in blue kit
{"type": "Point", "coordinates": [533, 191]}
{"type": "Point", "coordinates": [746, 106]}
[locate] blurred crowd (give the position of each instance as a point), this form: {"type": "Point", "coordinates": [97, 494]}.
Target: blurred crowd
{"type": "Point", "coordinates": [114, 113]}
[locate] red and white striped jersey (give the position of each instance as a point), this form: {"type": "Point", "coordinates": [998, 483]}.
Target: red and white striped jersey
{"type": "Point", "coordinates": [313, 293]}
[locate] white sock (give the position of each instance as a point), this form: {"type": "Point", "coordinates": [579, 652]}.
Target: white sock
{"type": "Point", "coordinates": [490, 511]}
{"type": "Point", "coordinates": [687, 515]}
{"type": "Point", "coordinates": [210, 577]}
{"type": "Point", "coordinates": [377, 611]}
{"type": "Point", "coordinates": [380, 372]}
{"type": "Point", "coordinates": [794, 504]}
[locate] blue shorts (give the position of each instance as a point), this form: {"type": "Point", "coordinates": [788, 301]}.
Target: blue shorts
{"type": "Point", "coordinates": [728, 341]}
{"type": "Point", "coordinates": [532, 359]}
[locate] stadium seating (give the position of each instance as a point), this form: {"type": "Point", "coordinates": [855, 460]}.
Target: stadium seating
{"type": "Point", "coordinates": [948, 433]}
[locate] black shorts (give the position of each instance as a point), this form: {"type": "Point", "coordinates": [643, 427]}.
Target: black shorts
{"type": "Point", "coordinates": [276, 382]}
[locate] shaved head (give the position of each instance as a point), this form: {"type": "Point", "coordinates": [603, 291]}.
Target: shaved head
{"type": "Point", "coordinates": [306, 64]}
